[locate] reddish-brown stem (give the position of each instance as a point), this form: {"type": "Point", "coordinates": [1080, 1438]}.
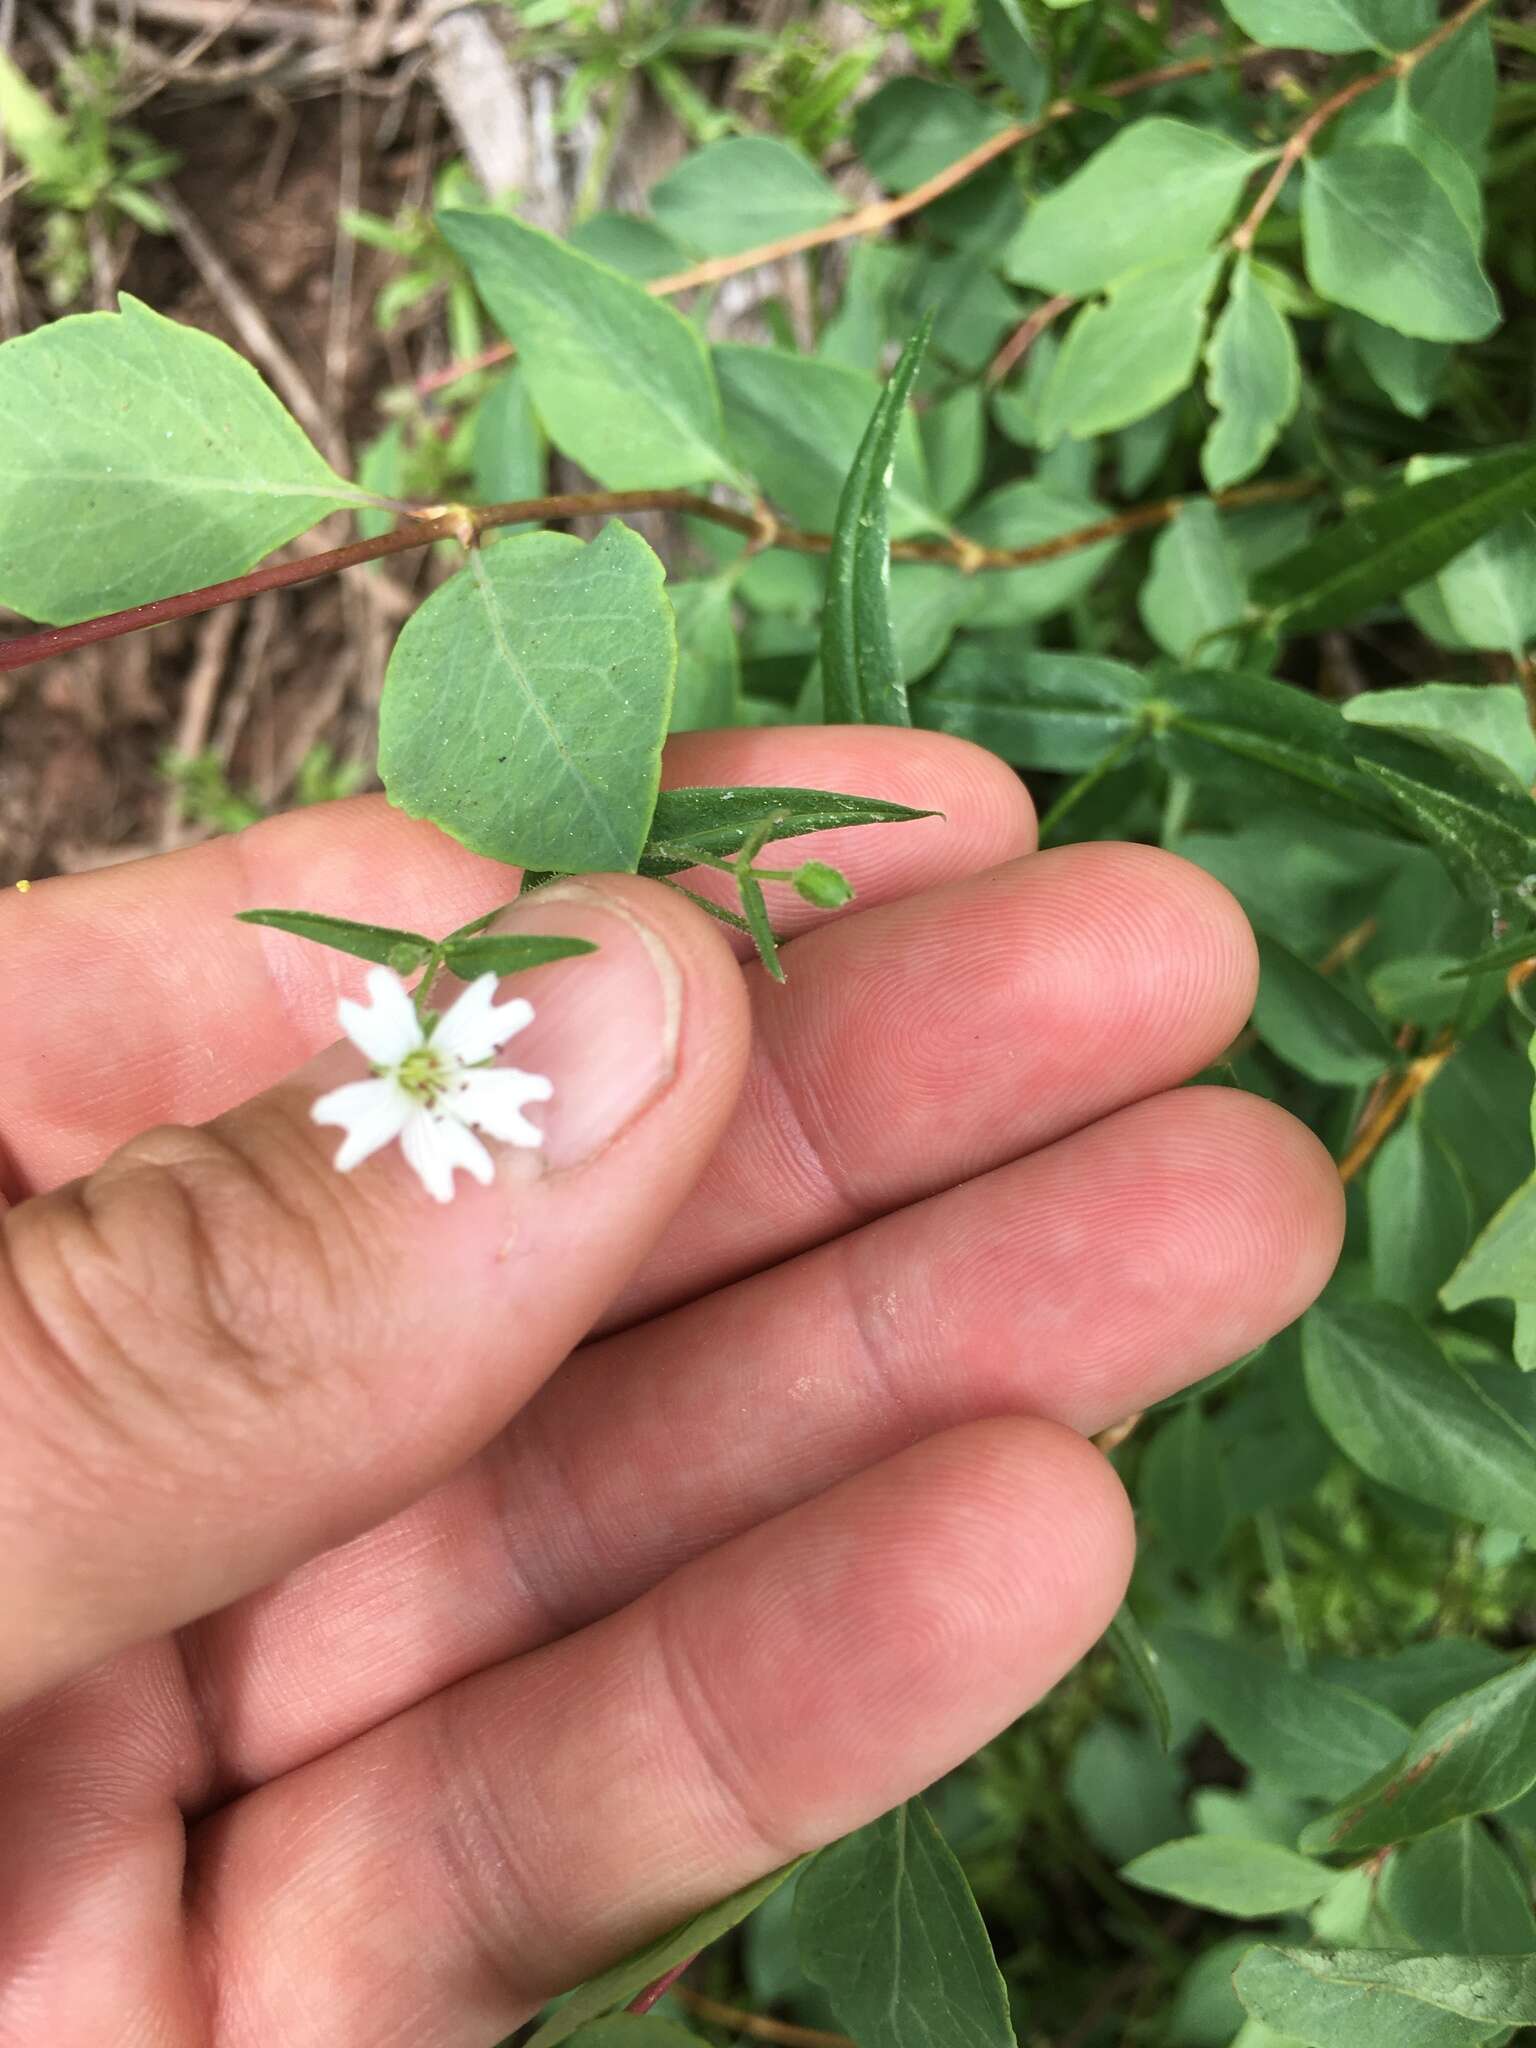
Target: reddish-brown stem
{"type": "Point", "coordinates": [1025, 335]}
{"type": "Point", "coordinates": [464, 523]}
{"type": "Point", "coordinates": [871, 219]}
{"type": "Point", "coordinates": [654, 1993]}
{"type": "Point", "coordinates": [784, 2033]}
{"type": "Point", "coordinates": [1294, 150]}
{"type": "Point", "coordinates": [1389, 1112]}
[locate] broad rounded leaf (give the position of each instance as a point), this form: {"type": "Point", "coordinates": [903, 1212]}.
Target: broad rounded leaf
{"type": "Point", "coordinates": [1415, 1420]}
{"type": "Point", "coordinates": [1161, 191]}
{"type": "Point", "coordinates": [740, 192]}
{"type": "Point", "coordinates": [887, 1925]}
{"type": "Point", "coordinates": [1131, 353]}
{"type": "Point", "coordinates": [141, 458]}
{"type": "Point", "coordinates": [1254, 382]}
{"type": "Point", "coordinates": [527, 700]}
{"type": "Point", "coordinates": [1335, 26]}
{"type": "Point", "coordinates": [1383, 236]}
{"type": "Point", "coordinates": [1379, 1998]}
{"type": "Point", "coordinates": [1226, 1874]}
{"type": "Point", "coordinates": [1476, 1754]}
{"type": "Point", "coordinates": [621, 381]}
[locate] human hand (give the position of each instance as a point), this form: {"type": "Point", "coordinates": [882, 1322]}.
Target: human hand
{"type": "Point", "coordinates": [376, 1662]}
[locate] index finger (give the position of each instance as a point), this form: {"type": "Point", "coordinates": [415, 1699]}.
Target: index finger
{"type": "Point", "coordinates": [134, 998]}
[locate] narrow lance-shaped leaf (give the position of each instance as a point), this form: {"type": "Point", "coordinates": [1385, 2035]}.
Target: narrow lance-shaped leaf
{"type": "Point", "coordinates": [381, 943]}
{"type": "Point", "coordinates": [1404, 537]}
{"type": "Point", "coordinates": [1138, 1662]}
{"type": "Point", "coordinates": [141, 458]}
{"type": "Point", "coordinates": [861, 673]}
{"type": "Point", "coordinates": [693, 824]}
{"type": "Point", "coordinates": [1485, 835]}
{"type": "Point", "coordinates": [503, 953]}
{"type": "Point", "coordinates": [887, 1925]}
{"type": "Point", "coordinates": [1380, 1998]}
{"type": "Point", "coordinates": [527, 701]}
{"type": "Point", "coordinates": [626, 1980]}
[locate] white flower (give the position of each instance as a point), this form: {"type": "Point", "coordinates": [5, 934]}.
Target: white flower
{"type": "Point", "coordinates": [433, 1086]}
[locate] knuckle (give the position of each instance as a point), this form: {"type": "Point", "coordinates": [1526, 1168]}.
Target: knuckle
{"type": "Point", "coordinates": [170, 1292]}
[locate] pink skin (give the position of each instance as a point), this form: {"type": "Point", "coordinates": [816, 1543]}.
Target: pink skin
{"type": "Point", "coordinates": [386, 1665]}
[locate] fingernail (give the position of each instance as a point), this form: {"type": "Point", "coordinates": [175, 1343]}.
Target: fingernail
{"type": "Point", "coordinates": [605, 1024]}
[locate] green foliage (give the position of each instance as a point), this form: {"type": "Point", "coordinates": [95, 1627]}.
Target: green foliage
{"type": "Point", "coordinates": [1237, 558]}
{"type": "Point", "coordinates": [129, 427]}
{"type": "Point", "coordinates": [887, 1923]}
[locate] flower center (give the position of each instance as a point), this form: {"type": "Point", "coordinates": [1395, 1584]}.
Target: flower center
{"type": "Point", "coordinates": [424, 1075]}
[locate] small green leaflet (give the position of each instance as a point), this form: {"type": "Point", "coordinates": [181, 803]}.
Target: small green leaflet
{"type": "Point", "coordinates": [1132, 352]}
{"type": "Point", "coordinates": [740, 192]}
{"type": "Point", "coordinates": [142, 458]}
{"type": "Point", "coordinates": [1420, 1210]}
{"type": "Point", "coordinates": [1380, 1998]}
{"type": "Point", "coordinates": [1314, 1023]}
{"type": "Point", "coordinates": [1316, 1739]}
{"type": "Point", "coordinates": [1161, 189]}
{"type": "Point", "coordinates": [1138, 1663]}
{"type": "Point", "coordinates": [1196, 593]}
{"type": "Point", "coordinates": [1408, 534]}
{"type": "Point", "coordinates": [1226, 1874]}
{"type": "Point", "coordinates": [1335, 26]}
{"type": "Point", "coordinates": [1383, 236]}
{"type": "Point", "coordinates": [1486, 835]}
{"type": "Point", "coordinates": [1254, 382]}
{"type": "Point", "coordinates": [690, 824]}
{"type": "Point", "coordinates": [626, 1980]}
{"type": "Point", "coordinates": [796, 422]}
{"type": "Point", "coordinates": [621, 381]}
{"type": "Point", "coordinates": [634, 2030]}
{"type": "Point", "coordinates": [1476, 1754]}
{"type": "Point", "coordinates": [1483, 724]}
{"type": "Point", "coordinates": [1416, 1420]}
{"type": "Point", "coordinates": [1456, 1890]}
{"type": "Point", "coordinates": [861, 675]}
{"type": "Point", "coordinates": [527, 700]}
{"type": "Point", "coordinates": [887, 1925]}
{"type": "Point", "coordinates": [1036, 708]}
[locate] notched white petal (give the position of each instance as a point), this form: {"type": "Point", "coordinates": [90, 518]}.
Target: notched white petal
{"type": "Point", "coordinates": [493, 1100]}
{"type": "Point", "coordinates": [434, 1145]}
{"type": "Point", "coordinates": [388, 1030]}
{"type": "Point", "coordinates": [372, 1113]}
{"type": "Point", "coordinates": [474, 1028]}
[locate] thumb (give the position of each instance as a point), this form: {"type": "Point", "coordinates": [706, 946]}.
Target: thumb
{"type": "Point", "coordinates": [219, 1355]}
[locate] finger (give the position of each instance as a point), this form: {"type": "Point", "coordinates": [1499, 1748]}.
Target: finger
{"type": "Point", "coordinates": [451, 1870]}
{"type": "Point", "coordinates": [218, 1355]}
{"type": "Point", "coordinates": [937, 1037]}
{"type": "Point", "coordinates": [198, 1012]}
{"type": "Point", "coordinates": [1076, 1286]}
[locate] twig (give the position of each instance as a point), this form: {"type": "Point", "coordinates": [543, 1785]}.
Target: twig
{"type": "Point", "coordinates": [1391, 1111]}
{"type": "Point", "coordinates": [872, 219]}
{"type": "Point", "coordinates": [465, 523]}
{"type": "Point", "coordinates": [755, 2027]}
{"type": "Point", "coordinates": [1025, 335]}
{"type": "Point", "coordinates": [1293, 152]}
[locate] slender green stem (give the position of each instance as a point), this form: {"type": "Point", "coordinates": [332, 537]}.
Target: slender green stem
{"type": "Point", "coordinates": [1071, 798]}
